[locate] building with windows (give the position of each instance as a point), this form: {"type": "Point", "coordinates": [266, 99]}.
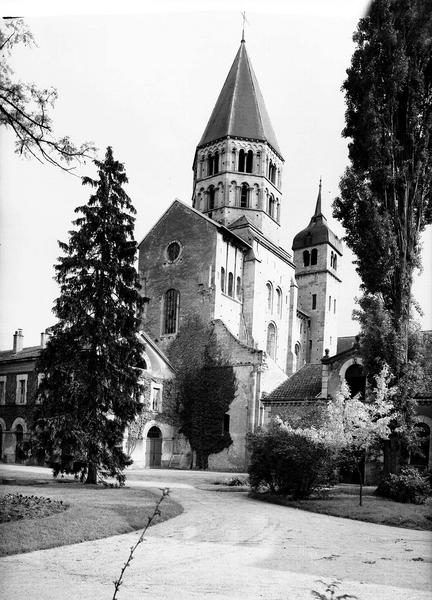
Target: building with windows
{"type": "Point", "coordinates": [222, 260]}
{"type": "Point", "coordinates": [19, 382]}
{"type": "Point", "coordinates": [18, 385]}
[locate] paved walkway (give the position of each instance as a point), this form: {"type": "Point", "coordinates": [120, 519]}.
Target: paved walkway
{"type": "Point", "coordinates": [226, 545]}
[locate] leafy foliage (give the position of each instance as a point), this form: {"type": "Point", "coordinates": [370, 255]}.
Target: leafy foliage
{"type": "Point", "coordinates": [386, 193]}
{"type": "Point", "coordinates": [24, 108]}
{"type": "Point", "coordinates": [288, 462]}
{"type": "Point", "coordinates": [92, 363]}
{"type": "Point", "coordinates": [206, 386]}
{"type": "Point", "coordinates": [408, 486]}
{"type": "Point", "coordinates": [351, 428]}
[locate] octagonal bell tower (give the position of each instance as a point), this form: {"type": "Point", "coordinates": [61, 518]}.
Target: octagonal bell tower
{"type": "Point", "coordinates": [238, 163]}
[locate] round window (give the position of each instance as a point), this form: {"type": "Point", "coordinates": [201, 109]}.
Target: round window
{"type": "Point", "coordinates": [173, 251]}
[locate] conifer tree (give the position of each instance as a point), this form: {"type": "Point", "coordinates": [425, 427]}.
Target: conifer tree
{"type": "Point", "coordinates": [90, 387]}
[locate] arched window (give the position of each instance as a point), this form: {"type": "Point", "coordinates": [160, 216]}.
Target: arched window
{"type": "Point", "coordinates": [331, 259]}
{"type": "Point", "coordinates": [271, 340]}
{"type": "Point", "coordinates": [270, 296]}
{"type": "Point", "coordinates": [241, 163]}
{"type": "Point", "coordinates": [230, 284]}
{"type": "Point", "coordinates": [211, 197]}
{"type": "Point", "coordinates": [222, 279]}
{"type": "Point", "coordinates": [335, 262]}
{"type": "Point", "coordinates": [272, 172]}
{"type": "Point", "coordinates": [356, 380]}
{"type": "Point", "coordinates": [314, 256]}
{"type": "Point", "coordinates": [297, 355]}
{"type": "Point", "coordinates": [244, 194]}
{"type": "Point", "coordinates": [216, 163]}
{"type": "Point", "coordinates": [171, 310]}
{"type": "Point", "coordinates": [249, 162]}
{"type": "Point", "coordinates": [277, 212]}
{"type": "Point", "coordinates": [210, 165]}
{"type": "Point", "coordinates": [306, 258]}
{"type": "Point", "coordinates": [272, 206]}
{"type": "Point", "coordinates": [238, 288]}
{"type": "Point", "coordinates": [279, 301]}
{"type": "Point", "coordinates": [329, 303]}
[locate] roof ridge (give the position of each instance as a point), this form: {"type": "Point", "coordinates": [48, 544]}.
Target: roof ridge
{"type": "Point", "coordinates": [235, 87]}
{"type": "Point", "coordinates": [255, 94]}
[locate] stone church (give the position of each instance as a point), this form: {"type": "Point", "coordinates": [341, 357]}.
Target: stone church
{"type": "Point", "coordinates": [274, 312]}
{"type": "Point", "coordinates": [223, 259]}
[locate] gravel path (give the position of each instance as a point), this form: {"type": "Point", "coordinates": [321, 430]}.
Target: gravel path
{"type": "Point", "coordinates": [226, 545]}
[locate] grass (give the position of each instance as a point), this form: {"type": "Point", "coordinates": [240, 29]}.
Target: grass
{"type": "Point", "coordinates": [374, 509]}
{"type": "Point", "coordinates": [93, 512]}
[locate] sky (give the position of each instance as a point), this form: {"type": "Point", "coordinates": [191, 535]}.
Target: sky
{"type": "Point", "coordinates": [143, 77]}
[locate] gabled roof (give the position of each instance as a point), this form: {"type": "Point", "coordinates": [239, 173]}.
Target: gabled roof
{"type": "Point", "coordinates": [31, 352]}
{"type": "Point", "coordinates": [305, 384]}
{"type": "Point", "coordinates": [147, 339]}
{"type": "Point", "coordinates": [243, 222]}
{"type": "Point", "coordinates": [224, 230]}
{"type": "Point", "coordinates": [240, 110]}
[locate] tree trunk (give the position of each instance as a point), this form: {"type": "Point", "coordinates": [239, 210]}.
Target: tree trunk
{"type": "Point", "coordinates": [392, 453]}
{"type": "Point", "coordinates": [91, 473]}
{"type": "Point", "coordinates": [202, 461]}
{"type": "Point", "coordinates": [359, 470]}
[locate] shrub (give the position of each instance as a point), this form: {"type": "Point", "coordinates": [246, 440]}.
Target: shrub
{"type": "Point", "coordinates": [408, 486]}
{"type": "Point", "coordinates": [288, 463]}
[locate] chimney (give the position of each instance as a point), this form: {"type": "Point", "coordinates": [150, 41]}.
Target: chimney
{"type": "Point", "coordinates": [44, 338]}
{"type": "Point", "coordinates": [18, 340]}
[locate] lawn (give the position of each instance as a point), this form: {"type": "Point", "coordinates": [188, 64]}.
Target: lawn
{"type": "Point", "coordinates": [92, 512]}
{"type": "Point", "coordinates": [374, 509]}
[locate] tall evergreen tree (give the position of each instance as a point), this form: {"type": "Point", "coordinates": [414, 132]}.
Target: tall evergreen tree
{"type": "Point", "coordinates": [206, 386]}
{"type": "Point", "coordinates": [90, 387]}
{"type": "Point", "coordinates": [386, 193]}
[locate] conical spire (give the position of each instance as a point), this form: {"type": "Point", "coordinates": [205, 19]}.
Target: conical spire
{"type": "Point", "coordinates": [240, 110]}
{"type": "Point", "coordinates": [318, 212]}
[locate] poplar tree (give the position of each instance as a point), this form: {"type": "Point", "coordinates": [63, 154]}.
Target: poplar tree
{"type": "Point", "coordinates": [90, 368]}
{"type": "Point", "coordinates": [386, 193]}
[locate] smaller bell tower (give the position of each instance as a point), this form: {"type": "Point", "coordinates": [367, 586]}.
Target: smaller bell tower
{"type": "Point", "coordinates": [317, 254]}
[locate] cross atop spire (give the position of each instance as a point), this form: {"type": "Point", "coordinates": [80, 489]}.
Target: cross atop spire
{"type": "Point", "coordinates": [243, 14]}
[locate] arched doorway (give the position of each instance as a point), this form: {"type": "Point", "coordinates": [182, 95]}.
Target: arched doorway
{"type": "Point", "coordinates": [19, 437]}
{"type": "Point", "coordinates": [154, 447]}
{"type": "Point", "coordinates": [356, 380]}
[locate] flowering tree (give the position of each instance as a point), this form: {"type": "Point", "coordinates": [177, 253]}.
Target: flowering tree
{"type": "Point", "coordinates": [353, 428]}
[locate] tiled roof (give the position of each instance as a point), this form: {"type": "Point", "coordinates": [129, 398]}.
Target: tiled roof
{"type": "Point", "coordinates": [305, 384]}
{"type": "Point", "coordinates": [240, 110]}
{"type": "Point", "coordinates": [26, 353]}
